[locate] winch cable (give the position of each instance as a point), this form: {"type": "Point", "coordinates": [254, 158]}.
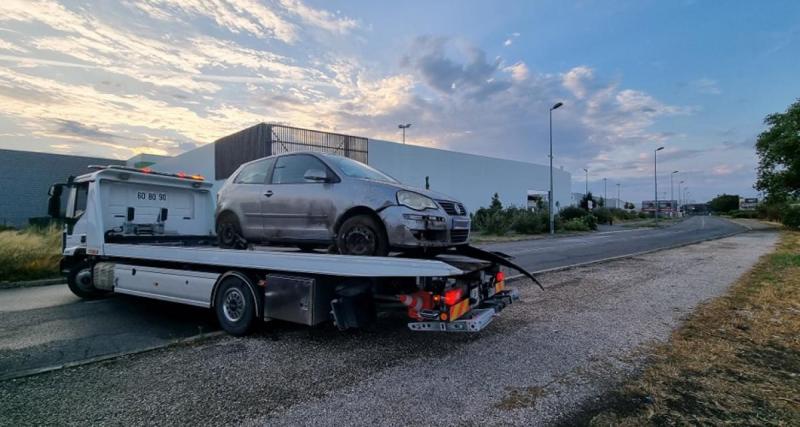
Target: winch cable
{"type": "Point", "coordinates": [496, 257]}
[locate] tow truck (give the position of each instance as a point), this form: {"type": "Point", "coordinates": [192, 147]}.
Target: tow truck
{"type": "Point", "coordinates": [151, 234]}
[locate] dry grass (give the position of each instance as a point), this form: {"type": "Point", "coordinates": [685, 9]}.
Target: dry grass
{"type": "Point", "coordinates": [29, 254]}
{"type": "Point", "coordinates": [735, 361]}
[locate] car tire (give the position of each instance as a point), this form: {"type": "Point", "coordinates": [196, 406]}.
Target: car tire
{"type": "Point", "coordinates": [362, 235]}
{"type": "Point", "coordinates": [79, 281]}
{"type": "Point", "coordinates": [235, 306]}
{"type": "Point", "coordinates": [229, 233]}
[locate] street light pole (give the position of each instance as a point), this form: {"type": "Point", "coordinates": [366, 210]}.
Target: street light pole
{"type": "Point", "coordinates": [671, 195]}
{"type": "Point", "coordinates": [618, 198]}
{"type": "Point", "coordinates": [680, 198]}
{"type": "Point", "coordinates": [605, 192]}
{"type": "Point", "coordinates": [655, 177]}
{"type": "Point", "coordinates": [587, 181]}
{"type": "Point", "coordinates": [404, 127]}
{"type": "Point", "coordinates": [551, 195]}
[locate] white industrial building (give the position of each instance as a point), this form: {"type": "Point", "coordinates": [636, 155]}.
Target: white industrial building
{"type": "Point", "coordinates": [470, 178]}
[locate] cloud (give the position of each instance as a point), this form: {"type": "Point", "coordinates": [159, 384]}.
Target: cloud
{"type": "Point", "coordinates": [725, 169]}
{"type": "Point", "coordinates": [576, 79]}
{"type": "Point", "coordinates": [474, 77]}
{"type": "Point", "coordinates": [706, 86]}
{"type": "Point", "coordinates": [518, 71]}
{"type": "Point", "coordinates": [510, 40]}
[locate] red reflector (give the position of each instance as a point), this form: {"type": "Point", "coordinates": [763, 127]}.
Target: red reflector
{"type": "Point", "coordinates": [453, 296]}
{"type": "Point", "coordinates": [500, 276]}
{"type": "Point", "coordinates": [146, 170]}
{"type": "Point", "coordinates": [181, 174]}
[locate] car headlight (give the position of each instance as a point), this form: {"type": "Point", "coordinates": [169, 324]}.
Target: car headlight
{"type": "Point", "coordinates": [415, 201]}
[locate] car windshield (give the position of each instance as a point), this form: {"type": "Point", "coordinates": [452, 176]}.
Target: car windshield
{"type": "Point", "coordinates": [355, 169]}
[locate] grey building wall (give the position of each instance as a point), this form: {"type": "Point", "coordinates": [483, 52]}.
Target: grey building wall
{"type": "Point", "coordinates": [26, 176]}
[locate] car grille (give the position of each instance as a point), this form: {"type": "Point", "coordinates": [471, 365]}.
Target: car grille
{"type": "Point", "coordinates": [453, 208]}
{"type": "Point", "coordinates": [458, 236]}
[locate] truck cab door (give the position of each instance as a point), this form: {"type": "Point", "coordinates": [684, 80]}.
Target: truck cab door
{"type": "Point", "coordinates": [299, 205]}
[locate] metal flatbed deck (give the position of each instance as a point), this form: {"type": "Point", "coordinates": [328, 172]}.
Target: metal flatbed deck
{"type": "Point", "coordinates": [326, 264]}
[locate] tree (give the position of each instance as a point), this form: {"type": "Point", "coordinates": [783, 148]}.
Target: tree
{"type": "Point", "coordinates": [496, 204]}
{"type": "Point", "coordinates": [585, 201]}
{"type": "Point", "coordinates": [724, 203]}
{"type": "Point", "coordinates": [778, 150]}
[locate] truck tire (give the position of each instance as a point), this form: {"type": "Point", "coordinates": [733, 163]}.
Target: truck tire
{"type": "Point", "coordinates": [229, 233]}
{"type": "Point", "coordinates": [235, 307]}
{"type": "Point", "coordinates": [362, 235]}
{"type": "Point", "coordinates": [79, 281]}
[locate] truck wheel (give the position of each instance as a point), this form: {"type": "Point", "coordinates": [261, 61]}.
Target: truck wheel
{"type": "Point", "coordinates": [362, 235]}
{"type": "Point", "coordinates": [229, 233]}
{"type": "Point", "coordinates": [236, 310]}
{"type": "Point", "coordinates": [79, 281]}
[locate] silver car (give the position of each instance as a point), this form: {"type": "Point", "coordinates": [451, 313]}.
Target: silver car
{"type": "Point", "coordinates": [314, 200]}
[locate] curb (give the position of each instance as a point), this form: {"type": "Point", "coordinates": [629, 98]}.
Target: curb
{"type": "Point", "coordinates": [31, 283]}
{"type": "Point", "coordinates": [631, 255]}
{"type": "Point", "coordinates": [37, 371]}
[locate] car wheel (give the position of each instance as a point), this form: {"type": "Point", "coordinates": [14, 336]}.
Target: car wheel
{"type": "Point", "coordinates": [229, 233]}
{"type": "Point", "coordinates": [235, 307]}
{"type": "Point", "coordinates": [362, 235]}
{"type": "Point", "coordinates": [79, 281]}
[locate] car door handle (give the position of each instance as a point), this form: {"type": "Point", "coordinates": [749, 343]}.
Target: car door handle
{"type": "Point", "coordinates": [268, 193]}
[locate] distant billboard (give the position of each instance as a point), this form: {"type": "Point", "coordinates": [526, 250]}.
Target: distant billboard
{"type": "Point", "coordinates": [663, 205]}
{"type": "Point", "coordinates": [748, 203]}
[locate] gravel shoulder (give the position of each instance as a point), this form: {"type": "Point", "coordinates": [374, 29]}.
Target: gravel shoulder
{"type": "Point", "coordinates": [540, 361]}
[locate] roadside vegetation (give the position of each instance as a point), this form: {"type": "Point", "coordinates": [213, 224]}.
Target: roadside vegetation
{"type": "Point", "coordinates": [30, 254]}
{"type": "Point", "coordinates": [512, 222]}
{"type": "Point", "coordinates": [735, 361]}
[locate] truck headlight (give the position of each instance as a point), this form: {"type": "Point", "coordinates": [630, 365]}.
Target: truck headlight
{"type": "Point", "coordinates": [415, 201]}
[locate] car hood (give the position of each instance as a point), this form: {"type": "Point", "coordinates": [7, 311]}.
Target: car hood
{"type": "Point", "coordinates": [397, 186]}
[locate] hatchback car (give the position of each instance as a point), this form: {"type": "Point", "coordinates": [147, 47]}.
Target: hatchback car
{"type": "Point", "coordinates": [314, 200]}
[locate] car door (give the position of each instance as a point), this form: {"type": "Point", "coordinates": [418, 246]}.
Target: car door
{"type": "Point", "coordinates": [298, 209]}
{"type": "Point", "coordinates": [247, 195]}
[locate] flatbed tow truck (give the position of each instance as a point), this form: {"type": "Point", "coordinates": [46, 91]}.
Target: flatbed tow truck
{"type": "Point", "coordinates": [151, 234]}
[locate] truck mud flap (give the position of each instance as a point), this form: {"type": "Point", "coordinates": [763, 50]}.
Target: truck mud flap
{"type": "Point", "coordinates": [496, 257]}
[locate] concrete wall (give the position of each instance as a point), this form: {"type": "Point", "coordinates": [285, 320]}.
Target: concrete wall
{"type": "Point", "coordinates": [26, 176]}
{"type": "Point", "coordinates": [470, 178]}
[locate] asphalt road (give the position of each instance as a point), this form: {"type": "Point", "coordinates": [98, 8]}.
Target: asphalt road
{"type": "Point", "coordinates": [546, 360]}
{"type": "Point", "coordinates": [47, 327]}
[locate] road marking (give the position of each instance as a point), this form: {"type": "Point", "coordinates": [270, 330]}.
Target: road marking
{"type": "Point", "coordinates": [617, 257]}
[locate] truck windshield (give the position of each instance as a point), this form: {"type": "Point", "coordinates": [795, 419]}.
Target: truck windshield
{"type": "Point", "coordinates": [355, 169]}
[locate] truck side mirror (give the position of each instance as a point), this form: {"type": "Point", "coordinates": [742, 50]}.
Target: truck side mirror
{"type": "Point", "coordinates": [131, 212]}
{"type": "Point", "coordinates": [54, 202]}
{"type": "Point", "coordinates": [164, 213]}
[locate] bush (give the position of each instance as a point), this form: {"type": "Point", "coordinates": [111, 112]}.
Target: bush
{"type": "Point", "coordinates": [575, 224]}
{"type": "Point", "coordinates": [30, 254]}
{"type": "Point", "coordinates": [791, 217]}
{"type": "Point", "coordinates": [622, 214]}
{"type": "Point", "coordinates": [572, 212]}
{"type": "Point", "coordinates": [603, 215]}
{"type": "Point", "coordinates": [497, 222]}
{"type": "Point", "coordinates": [743, 214]}
{"type": "Point", "coordinates": [772, 211]}
{"type": "Point", "coordinates": [527, 222]}
{"type": "Point", "coordinates": [644, 215]}
{"type": "Point", "coordinates": [591, 221]}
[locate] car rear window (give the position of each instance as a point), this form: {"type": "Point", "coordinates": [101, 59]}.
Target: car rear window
{"type": "Point", "coordinates": [292, 169]}
{"type": "Point", "coordinates": [254, 173]}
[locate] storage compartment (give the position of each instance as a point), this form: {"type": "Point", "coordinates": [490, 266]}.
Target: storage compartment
{"type": "Point", "coordinates": [297, 299]}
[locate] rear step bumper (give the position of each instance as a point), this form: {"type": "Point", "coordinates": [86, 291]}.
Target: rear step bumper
{"type": "Point", "coordinates": [474, 321]}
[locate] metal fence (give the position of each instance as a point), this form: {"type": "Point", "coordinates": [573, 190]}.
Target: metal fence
{"type": "Point", "coordinates": [267, 139]}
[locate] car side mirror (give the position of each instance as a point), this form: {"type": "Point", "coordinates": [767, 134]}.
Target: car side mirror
{"type": "Point", "coordinates": [316, 175]}
{"type": "Point", "coordinates": [54, 202]}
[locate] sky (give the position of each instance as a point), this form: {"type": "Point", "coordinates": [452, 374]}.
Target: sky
{"type": "Point", "coordinates": [115, 79]}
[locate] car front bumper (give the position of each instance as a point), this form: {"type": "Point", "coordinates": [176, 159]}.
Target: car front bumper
{"type": "Point", "coordinates": [407, 228]}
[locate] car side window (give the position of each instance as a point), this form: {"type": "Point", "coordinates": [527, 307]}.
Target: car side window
{"type": "Point", "coordinates": [292, 169]}
{"type": "Point", "coordinates": [254, 173]}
